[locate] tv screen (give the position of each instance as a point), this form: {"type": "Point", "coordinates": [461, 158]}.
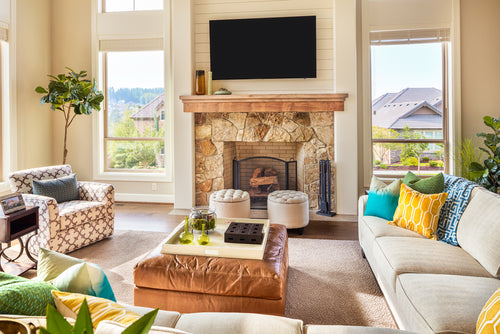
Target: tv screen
{"type": "Point", "coordinates": [266, 48]}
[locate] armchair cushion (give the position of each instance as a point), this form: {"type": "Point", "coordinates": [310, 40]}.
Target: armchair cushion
{"type": "Point", "coordinates": [63, 189]}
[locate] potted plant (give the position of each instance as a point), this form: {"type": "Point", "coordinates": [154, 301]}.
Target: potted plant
{"type": "Point", "coordinates": [73, 95]}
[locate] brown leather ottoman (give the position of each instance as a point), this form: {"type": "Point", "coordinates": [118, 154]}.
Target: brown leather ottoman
{"type": "Point", "coordinates": [187, 283]}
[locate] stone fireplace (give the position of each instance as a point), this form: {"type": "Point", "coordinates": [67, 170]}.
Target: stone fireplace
{"type": "Point", "coordinates": [302, 131]}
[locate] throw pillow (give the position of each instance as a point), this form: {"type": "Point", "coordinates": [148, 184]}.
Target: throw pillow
{"type": "Point", "coordinates": [418, 212]}
{"type": "Point", "coordinates": [68, 304]}
{"type": "Point", "coordinates": [382, 198]}
{"type": "Point", "coordinates": [73, 275]}
{"type": "Point", "coordinates": [63, 189]}
{"type": "Point", "coordinates": [23, 296]}
{"type": "Point", "coordinates": [431, 185]}
{"type": "Point", "coordinates": [489, 318]}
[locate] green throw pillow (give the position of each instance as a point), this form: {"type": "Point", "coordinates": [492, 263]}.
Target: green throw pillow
{"type": "Point", "coordinates": [63, 189]}
{"type": "Point", "coordinates": [23, 296]}
{"type": "Point", "coordinates": [70, 274]}
{"type": "Point", "coordinates": [431, 185]}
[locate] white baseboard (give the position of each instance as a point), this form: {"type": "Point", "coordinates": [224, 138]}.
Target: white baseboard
{"type": "Point", "coordinates": [146, 198]}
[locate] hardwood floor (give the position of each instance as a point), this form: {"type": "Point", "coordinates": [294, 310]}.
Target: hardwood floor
{"type": "Point", "coordinates": [156, 218]}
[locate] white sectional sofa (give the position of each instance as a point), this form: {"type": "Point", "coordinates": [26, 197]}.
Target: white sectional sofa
{"type": "Point", "coordinates": [431, 286]}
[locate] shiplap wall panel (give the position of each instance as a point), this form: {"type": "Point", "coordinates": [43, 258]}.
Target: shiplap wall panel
{"type": "Point", "coordinates": [206, 10]}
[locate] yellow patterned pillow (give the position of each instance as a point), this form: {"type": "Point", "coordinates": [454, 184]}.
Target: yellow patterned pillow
{"type": "Point", "coordinates": [68, 304]}
{"type": "Point", "coordinates": [489, 318]}
{"type": "Point", "coordinates": [418, 212]}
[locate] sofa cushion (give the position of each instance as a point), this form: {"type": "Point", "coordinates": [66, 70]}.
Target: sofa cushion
{"type": "Point", "coordinates": [400, 255]}
{"type": "Point", "coordinates": [380, 228]}
{"type": "Point", "coordinates": [230, 323]}
{"type": "Point", "coordinates": [419, 212]}
{"type": "Point", "coordinates": [382, 198]}
{"type": "Point", "coordinates": [113, 327]}
{"type": "Point", "coordinates": [22, 296]}
{"type": "Point", "coordinates": [489, 318]}
{"type": "Point", "coordinates": [163, 318]}
{"type": "Point", "coordinates": [62, 189]}
{"type": "Point", "coordinates": [430, 303]}
{"type": "Point", "coordinates": [326, 329]}
{"type": "Point", "coordinates": [478, 232]}
{"type": "Point", "coordinates": [75, 213]}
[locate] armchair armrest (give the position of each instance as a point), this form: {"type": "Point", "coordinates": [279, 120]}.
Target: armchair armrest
{"type": "Point", "coordinates": [95, 191]}
{"type": "Point", "coordinates": [48, 217]}
{"type": "Point", "coordinates": [47, 206]}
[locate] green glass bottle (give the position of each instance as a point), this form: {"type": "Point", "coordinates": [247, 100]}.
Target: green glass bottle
{"type": "Point", "coordinates": [186, 237]}
{"type": "Point", "coordinates": [203, 239]}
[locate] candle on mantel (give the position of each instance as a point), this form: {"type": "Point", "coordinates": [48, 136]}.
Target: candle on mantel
{"type": "Point", "coordinates": [210, 87]}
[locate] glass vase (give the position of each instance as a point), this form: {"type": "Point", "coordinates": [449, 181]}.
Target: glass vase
{"type": "Point", "coordinates": [202, 215]}
{"type": "Point", "coordinates": [200, 83]}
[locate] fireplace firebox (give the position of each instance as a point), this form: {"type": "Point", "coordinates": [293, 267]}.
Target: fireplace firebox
{"type": "Point", "coordinates": [261, 175]}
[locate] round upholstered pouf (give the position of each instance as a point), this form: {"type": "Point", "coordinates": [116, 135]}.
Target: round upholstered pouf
{"type": "Point", "coordinates": [230, 203]}
{"type": "Point", "coordinates": [288, 207]}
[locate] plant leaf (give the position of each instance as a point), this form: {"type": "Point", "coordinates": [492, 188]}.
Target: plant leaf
{"type": "Point", "coordinates": [143, 324]}
{"type": "Point", "coordinates": [56, 322]}
{"type": "Point", "coordinates": [83, 323]}
{"type": "Point", "coordinates": [41, 90]}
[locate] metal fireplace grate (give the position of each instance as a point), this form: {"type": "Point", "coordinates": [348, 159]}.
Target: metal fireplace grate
{"type": "Point", "coordinates": [262, 175]}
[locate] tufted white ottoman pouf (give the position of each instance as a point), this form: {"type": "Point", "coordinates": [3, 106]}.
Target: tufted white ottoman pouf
{"type": "Point", "coordinates": [230, 203]}
{"type": "Point", "coordinates": [288, 207]}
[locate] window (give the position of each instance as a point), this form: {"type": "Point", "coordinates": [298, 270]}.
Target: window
{"type": "Point", "coordinates": [409, 101]}
{"type": "Point", "coordinates": [131, 5]}
{"type": "Point", "coordinates": [134, 113]}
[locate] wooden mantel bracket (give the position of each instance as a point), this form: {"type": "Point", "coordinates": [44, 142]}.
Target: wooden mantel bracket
{"type": "Point", "coordinates": [264, 103]}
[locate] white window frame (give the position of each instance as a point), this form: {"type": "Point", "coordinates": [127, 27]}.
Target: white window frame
{"type": "Point", "coordinates": [117, 30]}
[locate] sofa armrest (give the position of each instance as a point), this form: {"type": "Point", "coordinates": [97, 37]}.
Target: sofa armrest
{"type": "Point", "coordinates": [362, 205]}
{"type": "Point", "coordinates": [95, 191]}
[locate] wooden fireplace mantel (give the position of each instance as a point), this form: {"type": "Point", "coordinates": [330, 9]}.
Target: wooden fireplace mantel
{"type": "Point", "coordinates": [264, 103]}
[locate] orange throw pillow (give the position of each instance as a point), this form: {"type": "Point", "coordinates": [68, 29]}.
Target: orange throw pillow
{"type": "Point", "coordinates": [418, 212]}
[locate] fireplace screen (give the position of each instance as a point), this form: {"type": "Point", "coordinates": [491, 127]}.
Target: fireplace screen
{"type": "Point", "coordinates": [262, 175]}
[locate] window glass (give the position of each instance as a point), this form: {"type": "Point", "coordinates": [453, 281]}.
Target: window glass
{"type": "Point", "coordinates": [135, 112]}
{"type": "Point", "coordinates": [407, 106]}
{"type": "Point", "coordinates": [132, 5]}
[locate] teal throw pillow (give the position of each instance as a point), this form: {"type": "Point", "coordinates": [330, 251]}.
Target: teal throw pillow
{"type": "Point", "coordinates": [23, 296]}
{"type": "Point", "coordinates": [382, 198]}
{"type": "Point", "coordinates": [63, 189]}
{"type": "Point", "coordinates": [430, 185]}
{"type": "Point", "coordinates": [70, 274]}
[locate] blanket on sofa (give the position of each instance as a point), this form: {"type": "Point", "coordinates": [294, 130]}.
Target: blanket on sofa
{"type": "Point", "coordinates": [459, 190]}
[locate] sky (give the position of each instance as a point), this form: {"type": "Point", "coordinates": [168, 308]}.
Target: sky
{"type": "Point", "coordinates": [395, 67]}
{"type": "Point", "coordinates": [135, 69]}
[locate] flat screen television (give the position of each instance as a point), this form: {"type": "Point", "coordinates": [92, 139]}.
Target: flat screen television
{"type": "Point", "coordinates": [263, 48]}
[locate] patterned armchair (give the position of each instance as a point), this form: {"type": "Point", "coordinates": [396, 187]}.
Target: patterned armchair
{"type": "Point", "coordinates": [65, 227]}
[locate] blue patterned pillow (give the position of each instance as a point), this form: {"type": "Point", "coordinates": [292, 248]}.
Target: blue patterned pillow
{"type": "Point", "coordinates": [382, 198]}
{"type": "Point", "coordinates": [459, 190]}
{"type": "Point", "coordinates": [63, 189]}
{"type": "Point", "coordinates": [23, 296]}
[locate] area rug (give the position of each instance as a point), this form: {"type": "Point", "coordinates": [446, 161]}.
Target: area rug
{"type": "Point", "coordinates": [328, 281]}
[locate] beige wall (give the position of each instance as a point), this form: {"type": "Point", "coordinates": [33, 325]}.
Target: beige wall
{"type": "Point", "coordinates": [480, 50]}
{"type": "Point", "coordinates": [34, 122]}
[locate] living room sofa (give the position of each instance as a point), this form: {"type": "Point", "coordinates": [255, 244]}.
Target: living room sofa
{"type": "Point", "coordinates": [432, 286]}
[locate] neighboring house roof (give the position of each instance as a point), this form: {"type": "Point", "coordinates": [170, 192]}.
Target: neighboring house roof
{"type": "Point", "coordinates": [151, 109]}
{"type": "Point", "coordinates": [419, 108]}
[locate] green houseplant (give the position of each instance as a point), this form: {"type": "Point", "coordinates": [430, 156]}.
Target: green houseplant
{"type": "Point", "coordinates": [56, 324]}
{"type": "Point", "coordinates": [72, 94]}
{"type": "Point", "coordinates": [488, 173]}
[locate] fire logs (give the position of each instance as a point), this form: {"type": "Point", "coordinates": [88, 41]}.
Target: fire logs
{"type": "Point", "coordinates": [263, 182]}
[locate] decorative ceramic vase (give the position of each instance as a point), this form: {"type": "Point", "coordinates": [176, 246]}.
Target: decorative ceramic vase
{"type": "Point", "coordinates": [187, 236]}
{"type": "Point", "coordinates": [200, 83]}
{"type": "Point", "coordinates": [202, 215]}
{"type": "Point", "coordinates": [203, 239]}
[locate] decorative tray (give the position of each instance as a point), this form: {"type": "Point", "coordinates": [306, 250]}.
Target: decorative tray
{"type": "Point", "coordinates": [217, 247]}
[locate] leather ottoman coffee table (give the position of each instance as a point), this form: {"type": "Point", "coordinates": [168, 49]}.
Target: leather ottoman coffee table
{"type": "Point", "coordinates": [187, 283]}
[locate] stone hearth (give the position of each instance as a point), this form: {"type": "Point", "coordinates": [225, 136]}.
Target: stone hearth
{"type": "Point", "coordinates": [217, 132]}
